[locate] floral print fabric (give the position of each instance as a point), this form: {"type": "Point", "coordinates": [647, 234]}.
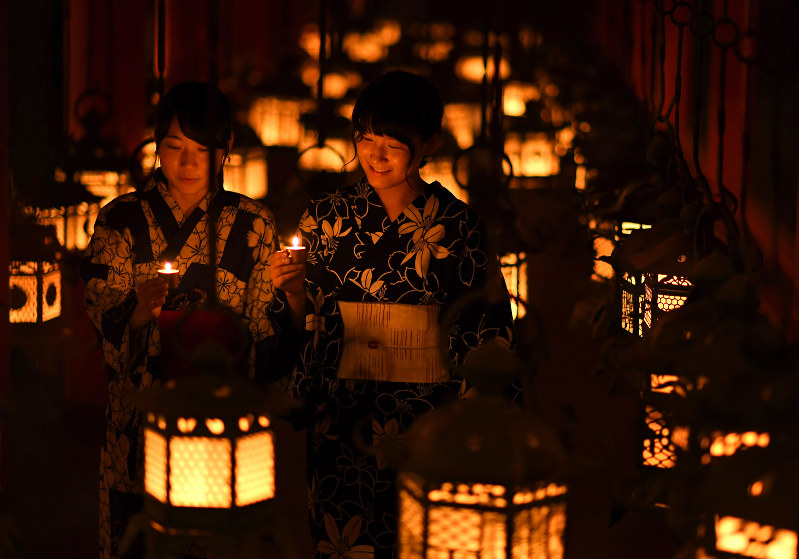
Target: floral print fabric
{"type": "Point", "coordinates": [433, 253]}
{"type": "Point", "coordinates": [132, 236]}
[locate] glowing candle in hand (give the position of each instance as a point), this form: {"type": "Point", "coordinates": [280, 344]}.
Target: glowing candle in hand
{"type": "Point", "coordinates": [296, 253]}
{"type": "Point", "coordinates": [170, 274]}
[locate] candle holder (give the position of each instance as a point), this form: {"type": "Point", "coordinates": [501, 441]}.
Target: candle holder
{"type": "Point", "coordinates": [170, 275]}
{"type": "Point", "coordinates": [297, 254]}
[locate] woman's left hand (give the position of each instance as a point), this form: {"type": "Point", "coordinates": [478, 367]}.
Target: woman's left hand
{"type": "Point", "coordinates": [291, 279]}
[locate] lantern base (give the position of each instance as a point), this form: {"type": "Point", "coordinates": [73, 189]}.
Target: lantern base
{"type": "Point", "coordinates": [272, 538]}
{"type": "Point", "coordinates": [196, 521]}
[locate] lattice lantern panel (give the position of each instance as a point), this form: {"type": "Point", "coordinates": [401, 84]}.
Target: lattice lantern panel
{"type": "Point", "coordinates": [205, 468]}
{"type": "Point", "coordinates": [631, 298]}
{"type": "Point", "coordinates": [663, 293]}
{"type": "Point", "coordinates": [662, 437]}
{"type": "Point", "coordinates": [750, 511]}
{"type": "Point", "coordinates": [481, 521]}
{"type": "Point", "coordinates": [35, 291]}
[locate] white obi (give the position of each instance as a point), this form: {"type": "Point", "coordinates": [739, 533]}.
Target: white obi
{"type": "Point", "coordinates": [391, 342]}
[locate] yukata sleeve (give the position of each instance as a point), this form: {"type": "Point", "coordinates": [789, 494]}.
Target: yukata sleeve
{"type": "Point", "coordinates": [109, 295]}
{"type": "Point", "coordinates": [273, 344]}
{"type": "Point", "coordinates": [314, 352]}
{"type": "Point", "coordinates": [480, 311]}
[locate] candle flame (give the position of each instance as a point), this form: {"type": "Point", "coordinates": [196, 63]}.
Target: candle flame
{"type": "Point", "coordinates": [295, 241]}
{"type": "Point", "coordinates": [168, 266]}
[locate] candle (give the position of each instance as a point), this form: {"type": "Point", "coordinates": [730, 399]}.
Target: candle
{"type": "Point", "coordinates": [296, 253]}
{"type": "Point", "coordinates": [170, 275]}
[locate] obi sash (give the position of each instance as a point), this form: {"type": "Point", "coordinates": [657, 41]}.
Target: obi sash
{"type": "Point", "coordinates": [391, 342]}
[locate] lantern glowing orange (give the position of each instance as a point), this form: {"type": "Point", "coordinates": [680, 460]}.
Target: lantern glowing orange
{"type": "Point", "coordinates": [209, 454]}
{"type": "Point", "coordinates": [481, 481]}
{"type": "Point", "coordinates": [34, 275]}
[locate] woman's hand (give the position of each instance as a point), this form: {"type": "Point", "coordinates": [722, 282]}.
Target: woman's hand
{"type": "Point", "coordinates": [150, 296]}
{"type": "Point", "coordinates": [291, 279]}
{"type": "Point", "coordinates": [287, 276]}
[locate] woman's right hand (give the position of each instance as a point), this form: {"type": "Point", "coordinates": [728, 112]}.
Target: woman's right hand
{"type": "Point", "coordinates": [150, 296]}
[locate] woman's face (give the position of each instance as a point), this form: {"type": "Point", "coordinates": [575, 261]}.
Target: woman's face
{"type": "Point", "coordinates": [387, 162]}
{"type": "Point", "coordinates": [184, 162]}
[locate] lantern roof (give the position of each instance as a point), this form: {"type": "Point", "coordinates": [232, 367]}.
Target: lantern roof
{"type": "Point", "coordinates": [33, 241]}
{"type": "Point", "coordinates": [207, 395]}
{"type": "Point", "coordinates": [485, 439]}
{"type": "Point", "coordinates": [61, 195]}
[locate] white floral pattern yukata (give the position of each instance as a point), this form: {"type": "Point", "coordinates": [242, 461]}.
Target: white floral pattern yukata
{"type": "Point", "coordinates": [134, 234]}
{"type": "Point", "coordinates": [432, 254]}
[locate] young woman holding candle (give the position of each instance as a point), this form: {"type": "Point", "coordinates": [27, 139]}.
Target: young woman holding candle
{"type": "Point", "coordinates": [137, 234]}
{"type": "Point", "coordinates": [387, 259]}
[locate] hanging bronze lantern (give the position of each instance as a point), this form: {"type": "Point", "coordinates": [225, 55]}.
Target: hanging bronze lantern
{"type": "Point", "coordinates": [482, 478]}
{"type": "Point", "coordinates": [34, 274]}
{"type": "Point", "coordinates": [653, 271]}
{"type": "Point", "coordinates": [209, 456]}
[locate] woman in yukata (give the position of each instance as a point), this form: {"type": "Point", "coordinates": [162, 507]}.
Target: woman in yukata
{"type": "Point", "coordinates": [134, 236]}
{"type": "Point", "coordinates": [386, 259]}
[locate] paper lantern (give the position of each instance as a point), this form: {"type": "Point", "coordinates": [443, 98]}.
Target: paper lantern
{"type": "Point", "coordinates": [246, 172]}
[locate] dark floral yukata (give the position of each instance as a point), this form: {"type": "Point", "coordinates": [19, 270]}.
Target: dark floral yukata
{"type": "Point", "coordinates": [134, 235]}
{"type": "Point", "coordinates": [431, 254]}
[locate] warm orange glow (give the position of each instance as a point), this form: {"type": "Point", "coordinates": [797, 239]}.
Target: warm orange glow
{"type": "Point", "coordinates": [277, 120]}
{"type": "Point", "coordinates": [295, 242]}
{"type": "Point", "coordinates": [750, 539]}
{"type": "Point", "coordinates": [167, 267]}
{"type": "Point", "coordinates": [720, 444]}
{"type": "Point", "coordinates": [155, 465]}
{"type": "Point", "coordinates": [463, 121]}
{"type": "Point", "coordinates": [602, 247]}
{"type": "Point", "coordinates": [515, 97]}
{"type": "Point", "coordinates": [106, 184]}
{"type": "Point", "coordinates": [659, 449]}
{"type": "Point", "coordinates": [73, 224]}
{"type": "Point", "coordinates": [472, 69]}
{"type": "Point", "coordinates": [471, 521]}
{"type": "Point", "coordinates": [186, 424]}
{"type": "Point", "coordinates": [246, 172]}
{"type": "Point", "coordinates": [514, 270]}
{"type": "Point", "coordinates": [628, 227]}
{"type": "Point", "coordinates": [663, 383]}
{"type": "Point", "coordinates": [35, 289]}
{"type": "Point", "coordinates": [631, 302]}
{"type": "Point", "coordinates": [255, 466]}
{"type": "Point", "coordinates": [215, 426]}
{"type": "Point", "coordinates": [532, 154]}
{"type": "Point", "coordinates": [200, 472]}
{"type": "Point", "coordinates": [330, 157]}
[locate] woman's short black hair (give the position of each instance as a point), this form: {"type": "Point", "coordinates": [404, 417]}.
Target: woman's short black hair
{"type": "Point", "coordinates": [399, 104]}
{"type": "Point", "coordinates": [203, 113]}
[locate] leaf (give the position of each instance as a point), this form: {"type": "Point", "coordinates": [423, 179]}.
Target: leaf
{"type": "Point", "coordinates": [431, 207]}
{"type": "Point", "coordinates": [375, 287]}
{"type": "Point", "coordinates": [407, 227]}
{"type": "Point", "coordinates": [352, 529]}
{"type": "Point", "coordinates": [414, 214]}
